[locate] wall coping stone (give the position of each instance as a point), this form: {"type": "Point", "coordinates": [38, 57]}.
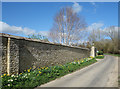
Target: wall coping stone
{"type": "Point", "coordinates": [36, 40]}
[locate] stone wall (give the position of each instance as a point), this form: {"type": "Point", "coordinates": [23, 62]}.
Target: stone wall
{"type": "Point", "coordinates": [3, 51]}
{"type": "Point", "coordinates": [26, 53]}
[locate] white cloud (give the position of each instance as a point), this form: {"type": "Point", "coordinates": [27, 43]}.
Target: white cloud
{"type": "Point", "coordinates": [76, 7]}
{"type": "Point", "coordinates": [112, 29]}
{"type": "Point", "coordinates": [95, 26]}
{"type": "Point", "coordinates": [5, 28]}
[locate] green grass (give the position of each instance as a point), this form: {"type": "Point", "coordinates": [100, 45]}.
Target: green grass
{"type": "Point", "coordinates": [112, 54]}
{"type": "Point", "coordinates": [119, 80]}
{"type": "Point", "coordinates": [99, 56]}
{"type": "Point", "coordinates": [33, 78]}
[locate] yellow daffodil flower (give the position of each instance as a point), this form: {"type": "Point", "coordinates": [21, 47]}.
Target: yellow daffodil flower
{"type": "Point", "coordinates": [7, 74]}
{"type": "Point", "coordinates": [28, 70]}
{"type": "Point", "coordinates": [40, 72]}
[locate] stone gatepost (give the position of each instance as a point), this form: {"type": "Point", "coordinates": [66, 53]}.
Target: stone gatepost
{"type": "Point", "coordinates": [92, 53]}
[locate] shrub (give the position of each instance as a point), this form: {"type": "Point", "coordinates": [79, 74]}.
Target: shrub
{"type": "Point", "coordinates": [100, 53]}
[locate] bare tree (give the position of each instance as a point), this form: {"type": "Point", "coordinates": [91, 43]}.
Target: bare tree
{"type": "Point", "coordinates": [96, 35]}
{"type": "Point", "coordinates": [105, 39]}
{"type": "Point", "coordinates": [111, 32]}
{"type": "Point", "coordinates": [53, 34]}
{"type": "Point", "coordinates": [67, 26]}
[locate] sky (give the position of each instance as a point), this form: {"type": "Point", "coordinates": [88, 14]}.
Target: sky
{"type": "Point", "coordinates": [24, 18]}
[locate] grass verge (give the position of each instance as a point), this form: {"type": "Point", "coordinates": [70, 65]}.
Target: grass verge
{"type": "Point", "coordinates": [119, 81]}
{"type": "Point", "coordinates": [112, 54]}
{"type": "Point", "coordinates": [33, 78]}
{"type": "Point", "coordinates": [99, 56]}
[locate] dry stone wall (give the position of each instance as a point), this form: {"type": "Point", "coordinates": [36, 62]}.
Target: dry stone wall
{"type": "Point", "coordinates": [26, 53]}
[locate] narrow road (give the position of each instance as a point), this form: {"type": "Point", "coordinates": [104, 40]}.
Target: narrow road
{"type": "Point", "coordinates": [104, 73]}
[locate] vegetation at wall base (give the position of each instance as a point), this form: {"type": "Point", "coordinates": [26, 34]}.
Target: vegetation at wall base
{"type": "Point", "coordinates": [32, 78]}
{"type": "Point", "coordinates": [99, 56]}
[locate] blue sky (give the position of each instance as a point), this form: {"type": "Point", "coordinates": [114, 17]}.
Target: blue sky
{"type": "Point", "coordinates": [38, 16]}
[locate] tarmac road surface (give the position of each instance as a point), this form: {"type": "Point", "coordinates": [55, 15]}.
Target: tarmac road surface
{"type": "Point", "coordinates": [103, 73]}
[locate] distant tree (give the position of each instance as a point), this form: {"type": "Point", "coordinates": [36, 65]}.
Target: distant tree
{"type": "Point", "coordinates": [106, 39]}
{"type": "Point", "coordinates": [96, 35]}
{"type": "Point", "coordinates": [67, 26]}
{"type": "Point", "coordinates": [39, 37]}
{"type": "Point", "coordinates": [112, 33]}
{"type": "Point", "coordinates": [88, 45]}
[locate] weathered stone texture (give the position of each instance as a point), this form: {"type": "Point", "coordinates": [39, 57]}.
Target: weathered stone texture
{"type": "Point", "coordinates": [3, 49]}
{"type": "Point", "coordinates": [14, 55]}
{"type": "Point", "coordinates": [29, 53]}
{"type": "Point", "coordinates": [41, 54]}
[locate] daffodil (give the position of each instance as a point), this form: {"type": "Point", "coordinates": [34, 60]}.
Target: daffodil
{"type": "Point", "coordinates": [40, 72]}
{"type": "Point", "coordinates": [8, 84]}
{"type": "Point", "coordinates": [7, 74]}
{"type": "Point", "coordinates": [28, 70]}
{"type": "Point", "coordinates": [46, 68]}
{"type": "Point", "coordinates": [12, 75]}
